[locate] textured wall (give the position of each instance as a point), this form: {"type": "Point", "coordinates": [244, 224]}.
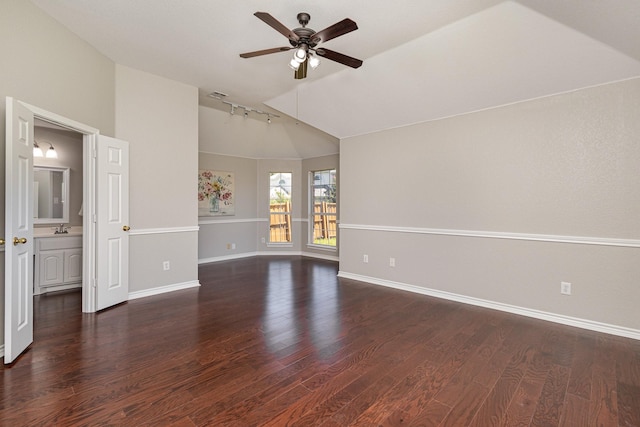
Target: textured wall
{"type": "Point", "coordinates": [565, 165]}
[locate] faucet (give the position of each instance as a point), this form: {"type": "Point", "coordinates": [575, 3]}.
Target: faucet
{"type": "Point", "coordinates": [61, 230]}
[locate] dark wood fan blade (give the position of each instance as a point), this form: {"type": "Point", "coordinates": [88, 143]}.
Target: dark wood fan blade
{"type": "Point", "coordinates": [343, 27]}
{"type": "Point", "coordinates": [339, 57]}
{"type": "Point", "coordinates": [277, 25]}
{"type": "Point", "coordinates": [264, 52]}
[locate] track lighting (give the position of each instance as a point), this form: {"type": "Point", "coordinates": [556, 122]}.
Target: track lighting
{"type": "Point", "coordinates": [247, 110]}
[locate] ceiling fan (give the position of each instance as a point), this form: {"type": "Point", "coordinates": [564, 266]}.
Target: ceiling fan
{"type": "Point", "coordinates": [304, 40]}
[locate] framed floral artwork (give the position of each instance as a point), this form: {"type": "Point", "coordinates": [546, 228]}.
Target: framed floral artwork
{"type": "Point", "coordinates": [215, 193]}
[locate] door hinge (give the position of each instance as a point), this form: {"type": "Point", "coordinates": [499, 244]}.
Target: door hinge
{"type": "Point", "coordinates": [94, 283]}
{"type": "Point", "coordinates": [94, 218]}
{"type": "Point", "coordinates": [94, 153]}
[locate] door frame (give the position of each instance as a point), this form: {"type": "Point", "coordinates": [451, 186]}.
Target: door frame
{"type": "Point", "coordinates": [89, 150]}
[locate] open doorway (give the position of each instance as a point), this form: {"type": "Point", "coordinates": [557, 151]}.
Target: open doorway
{"type": "Point", "coordinates": [57, 208]}
{"type": "Point", "coordinates": [105, 204]}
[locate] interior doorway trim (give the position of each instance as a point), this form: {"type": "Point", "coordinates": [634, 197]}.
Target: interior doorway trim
{"type": "Point", "coordinates": [89, 141]}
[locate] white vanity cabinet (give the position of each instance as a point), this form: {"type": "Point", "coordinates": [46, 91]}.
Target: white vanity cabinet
{"type": "Point", "coordinates": [58, 263]}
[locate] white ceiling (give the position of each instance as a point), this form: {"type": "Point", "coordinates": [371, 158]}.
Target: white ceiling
{"type": "Point", "coordinates": [423, 59]}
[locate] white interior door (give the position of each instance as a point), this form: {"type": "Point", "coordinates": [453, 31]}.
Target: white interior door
{"type": "Point", "coordinates": [112, 223]}
{"type": "Point", "coordinates": [18, 283]}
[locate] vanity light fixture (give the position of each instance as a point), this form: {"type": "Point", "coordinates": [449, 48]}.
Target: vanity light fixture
{"type": "Point", "coordinates": [37, 151]}
{"type": "Point", "coordinates": [51, 152]}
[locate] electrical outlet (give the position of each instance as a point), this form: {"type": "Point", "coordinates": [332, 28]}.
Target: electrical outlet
{"type": "Point", "coordinates": [233, 246]}
{"type": "Point", "coordinates": [263, 240]}
{"type": "Point", "coordinates": [565, 288]}
{"type": "Point", "coordinates": [365, 258]}
{"type": "Point", "coordinates": [228, 246]}
{"type": "Point", "coordinates": [166, 266]}
{"type": "Point", "coordinates": [392, 262]}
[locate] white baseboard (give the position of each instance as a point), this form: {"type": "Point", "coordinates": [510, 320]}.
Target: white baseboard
{"type": "Point", "coordinates": [268, 253]}
{"type": "Point", "coordinates": [537, 314]}
{"type": "Point", "coordinates": [163, 289]}
{"type": "Point", "coordinates": [321, 256]}
{"type": "Point", "coordinates": [227, 257]}
{"type": "Point", "coordinates": [299, 253]}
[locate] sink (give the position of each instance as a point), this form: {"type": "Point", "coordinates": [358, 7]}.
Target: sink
{"type": "Point", "coordinates": [53, 232]}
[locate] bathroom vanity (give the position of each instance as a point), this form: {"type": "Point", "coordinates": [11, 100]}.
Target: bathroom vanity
{"type": "Point", "coordinates": [58, 261]}
{"type": "Point", "coordinates": [58, 250]}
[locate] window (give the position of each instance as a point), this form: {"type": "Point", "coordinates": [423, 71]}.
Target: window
{"type": "Point", "coordinates": [280, 207]}
{"type": "Point", "coordinates": [323, 208]}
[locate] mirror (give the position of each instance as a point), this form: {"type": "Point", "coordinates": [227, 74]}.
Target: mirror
{"type": "Point", "coordinates": [50, 193]}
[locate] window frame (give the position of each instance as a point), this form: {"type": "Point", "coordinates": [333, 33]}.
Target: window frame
{"type": "Point", "coordinates": [311, 229]}
{"type": "Point", "coordinates": [288, 217]}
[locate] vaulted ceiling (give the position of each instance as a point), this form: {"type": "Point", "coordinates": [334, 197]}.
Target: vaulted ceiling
{"type": "Point", "coordinates": [423, 59]}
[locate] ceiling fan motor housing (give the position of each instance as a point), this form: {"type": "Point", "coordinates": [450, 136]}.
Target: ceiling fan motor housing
{"type": "Point", "coordinates": [303, 18]}
{"type": "Point", "coordinates": [305, 34]}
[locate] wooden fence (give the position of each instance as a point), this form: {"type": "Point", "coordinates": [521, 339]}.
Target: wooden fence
{"type": "Point", "coordinates": [324, 226]}
{"type": "Point", "coordinates": [280, 223]}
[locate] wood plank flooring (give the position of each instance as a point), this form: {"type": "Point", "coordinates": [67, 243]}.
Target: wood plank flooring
{"type": "Point", "coordinates": [281, 341]}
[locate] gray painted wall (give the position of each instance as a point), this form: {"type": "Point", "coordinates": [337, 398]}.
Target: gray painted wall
{"type": "Point", "coordinates": [241, 229]}
{"type": "Point", "coordinates": [565, 165]}
{"type": "Point", "coordinates": [77, 82]}
{"type": "Point", "coordinates": [159, 118]}
{"type": "Point", "coordinates": [250, 223]}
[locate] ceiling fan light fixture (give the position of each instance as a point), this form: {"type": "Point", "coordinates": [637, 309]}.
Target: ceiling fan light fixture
{"type": "Point", "coordinates": [300, 53]}
{"type": "Point", "coordinates": [294, 64]}
{"type": "Point", "coordinates": [301, 72]}
{"type": "Point", "coordinates": [314, 61]}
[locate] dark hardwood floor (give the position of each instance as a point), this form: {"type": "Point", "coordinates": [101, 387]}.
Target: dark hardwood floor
{"type": "Point", "coordinates": [282, 341]}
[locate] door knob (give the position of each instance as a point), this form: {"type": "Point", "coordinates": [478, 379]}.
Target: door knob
{"type": "Point", "coordinates": [1, 241]}
{"type": "Point", "coordinates": [22, 240]}
{"type": "Point", "coordinates": [126, 228]}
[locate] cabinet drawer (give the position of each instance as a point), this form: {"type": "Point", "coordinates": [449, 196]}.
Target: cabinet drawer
{"type": "Point", "coordinates": [69, 242]}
